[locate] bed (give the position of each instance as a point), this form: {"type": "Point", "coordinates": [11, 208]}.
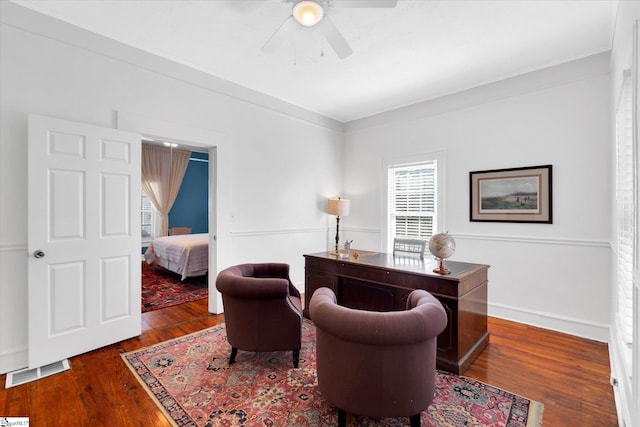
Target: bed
{"type": "Point", "coordinates": [186, 255]}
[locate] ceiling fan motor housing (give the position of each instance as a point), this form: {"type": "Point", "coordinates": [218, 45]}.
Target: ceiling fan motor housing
{"type": "Point", "coordinates": [308, 13]}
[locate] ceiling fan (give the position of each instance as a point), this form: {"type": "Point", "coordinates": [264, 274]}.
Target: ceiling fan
{"type": "Point", "coordinates": [312, 13]}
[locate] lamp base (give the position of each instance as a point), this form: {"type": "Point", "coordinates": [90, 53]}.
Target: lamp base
{"type": "Point", "coordinates": [441, 269]}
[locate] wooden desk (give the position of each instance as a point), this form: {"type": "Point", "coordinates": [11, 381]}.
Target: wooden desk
{"type": "Point", "coordinates": [382, 282]}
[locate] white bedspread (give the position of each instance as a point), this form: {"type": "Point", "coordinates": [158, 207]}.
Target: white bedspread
{"type": "Point", "coordinates": [187, 254]}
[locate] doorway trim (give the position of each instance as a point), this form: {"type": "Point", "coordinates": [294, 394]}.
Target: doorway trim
{"type": "Point", "coordinates": [218, 145]}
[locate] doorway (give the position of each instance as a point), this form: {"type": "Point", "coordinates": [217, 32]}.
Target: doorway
{"type": "Point", "coordinates": [174, 268]}
{"type": "Point", "coordinates": [218, 147]}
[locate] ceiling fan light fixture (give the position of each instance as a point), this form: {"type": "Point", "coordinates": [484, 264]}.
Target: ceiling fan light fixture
{"type": "Point", "coordinates": [308, 13]}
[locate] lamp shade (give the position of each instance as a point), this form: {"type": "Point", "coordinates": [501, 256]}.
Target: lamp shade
{"type": "Point", "coordinates": [308, 13]}
{"type": "Point", "coordinates": [339, 207]}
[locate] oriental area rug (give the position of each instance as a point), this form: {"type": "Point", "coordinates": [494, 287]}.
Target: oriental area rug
{"type": "Point", "coordinates": [162, 288]}
{"type": "Point", "coordinates": [191, 382]}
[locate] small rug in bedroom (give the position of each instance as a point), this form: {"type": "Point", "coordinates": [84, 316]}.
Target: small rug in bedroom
{"type": "Point", "coordinates": [191, 382]}
{"type": "Point", "coordinates": [162, 288]}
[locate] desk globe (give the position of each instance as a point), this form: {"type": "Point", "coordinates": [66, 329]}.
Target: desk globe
{"type": "Point", "coordinates": [442, 246]}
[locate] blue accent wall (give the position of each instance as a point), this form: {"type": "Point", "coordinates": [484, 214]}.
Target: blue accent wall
{"type": "Point", "coordinates": [191, 208]}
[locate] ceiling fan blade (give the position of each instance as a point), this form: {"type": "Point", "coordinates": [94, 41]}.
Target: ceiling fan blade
{"type": "Point", "coordinates": [278, 37]}
{"type": "Point", "coordinates": [363, 3]}
{"type": "Point", "coordinates": [335, 39]}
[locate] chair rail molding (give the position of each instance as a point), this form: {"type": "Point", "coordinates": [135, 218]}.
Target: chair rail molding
{"type": "Point", "coordinates": [275, 231]}
{"type": "Point", "coordinates": [13, 247]}
{"type": "Point", "coordinates": [535, 240]}
{"type": "Point", "coordinates": [507, 238]}
{"type": "Point", "coordinates": [362, 230]}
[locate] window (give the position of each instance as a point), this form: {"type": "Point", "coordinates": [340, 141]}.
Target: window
{"type": "Point", "coordinates": [626, 213]}
{"type": "Point", "coordinates": [414, 198]}
{"type": "Point", "coordinates": [147, 218]}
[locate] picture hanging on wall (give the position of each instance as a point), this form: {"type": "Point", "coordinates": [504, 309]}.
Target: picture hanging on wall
{"type": "Point", "coordinates": [511, 195]}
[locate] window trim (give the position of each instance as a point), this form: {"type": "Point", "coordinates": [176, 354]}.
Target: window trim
{"type": "Point", "coordinates": [438, 156]}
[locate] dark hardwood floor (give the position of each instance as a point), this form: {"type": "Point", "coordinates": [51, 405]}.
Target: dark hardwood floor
{"type": "Point", "coordinates": [569, 375]}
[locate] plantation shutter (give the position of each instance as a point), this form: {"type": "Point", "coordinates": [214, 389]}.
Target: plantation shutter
{"type": "Point", "coordinates": [147, 215]}
{"type": "Point", "coordinates": [626, 209]}
{"type": "Point", "coordinates": [412, 203]}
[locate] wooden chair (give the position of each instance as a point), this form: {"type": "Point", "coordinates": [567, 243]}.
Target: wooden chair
{"type": "Point", "coordinates": [402, 246]}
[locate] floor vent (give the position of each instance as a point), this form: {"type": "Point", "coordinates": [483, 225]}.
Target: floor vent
{"type": "Point", "coordinates": [27, 375]}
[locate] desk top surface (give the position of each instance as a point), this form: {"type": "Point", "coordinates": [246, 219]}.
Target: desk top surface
{"type": "Point", "coordinates": [406, 264]}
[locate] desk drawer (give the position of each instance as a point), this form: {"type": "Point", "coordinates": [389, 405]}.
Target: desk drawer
{"type": "Point", "coordinates": [323, 266]}
{"type": "Point", "coordinates": [398, 279]}
{"type": "Point", "coordinates": [378, 275]}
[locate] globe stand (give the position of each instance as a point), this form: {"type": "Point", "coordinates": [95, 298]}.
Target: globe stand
{"type": "Point", "coordinates": [441, 269]}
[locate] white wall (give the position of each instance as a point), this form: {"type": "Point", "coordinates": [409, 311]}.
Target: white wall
{"type": "Point", "coordinates": [286, 161]}
{"type": "Point", "coordinates": [551, 275]}
{"type": "Point", "coordinates": [282, 161]}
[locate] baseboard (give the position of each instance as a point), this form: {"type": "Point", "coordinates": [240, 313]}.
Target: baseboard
{"type": "Point", "coordinates": [14, 360]}
{"type": "Point", "coordinates": [567, 325]}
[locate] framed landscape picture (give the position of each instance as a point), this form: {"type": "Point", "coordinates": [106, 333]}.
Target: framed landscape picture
{"type": "Point", "coordinates": [511, 195]}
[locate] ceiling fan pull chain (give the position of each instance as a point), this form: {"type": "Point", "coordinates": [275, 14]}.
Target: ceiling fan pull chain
{"type": "Point", "coordinates": [295, 47]}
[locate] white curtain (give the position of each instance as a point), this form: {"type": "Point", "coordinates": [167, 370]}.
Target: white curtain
{"type": "Point", "coordinates": [162, 172]}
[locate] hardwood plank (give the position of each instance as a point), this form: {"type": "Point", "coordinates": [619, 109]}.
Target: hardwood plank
{"type": "Point", "coordinates": [569, 375]}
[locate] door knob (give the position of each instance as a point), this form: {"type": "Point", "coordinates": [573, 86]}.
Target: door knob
{"type": "Point", "coordinates": [39, 253]}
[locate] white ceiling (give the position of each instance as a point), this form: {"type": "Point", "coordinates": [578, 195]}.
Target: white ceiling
{"type": "Point", "coordinates": [417, 51]}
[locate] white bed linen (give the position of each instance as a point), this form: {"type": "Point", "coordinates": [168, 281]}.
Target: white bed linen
{"type": "Point", "coordinates": [187, 254]}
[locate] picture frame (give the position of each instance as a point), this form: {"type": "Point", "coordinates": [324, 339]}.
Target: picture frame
{"type": "Point", "coordinates": [521, 194]}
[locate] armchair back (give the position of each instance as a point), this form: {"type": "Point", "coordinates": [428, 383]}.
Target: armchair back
{"type": "Point", "coordinates": [380, 364]}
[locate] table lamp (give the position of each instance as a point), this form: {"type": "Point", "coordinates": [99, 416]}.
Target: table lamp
{"type": "Point", "coordinates": [338, 207]}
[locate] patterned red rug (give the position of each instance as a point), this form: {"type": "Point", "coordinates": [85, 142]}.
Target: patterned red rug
{"type": "Point", "coordinates": [162, 288]}
{"type": "Point", "coordinates": [190, 380]}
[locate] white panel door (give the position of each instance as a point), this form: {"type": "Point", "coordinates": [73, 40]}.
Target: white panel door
{"type": "Point", "coordinates": [84, 238]}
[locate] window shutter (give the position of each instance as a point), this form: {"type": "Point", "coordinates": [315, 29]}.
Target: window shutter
{"type": "Point", "coordinates": [412, 203]}
{"type": "Point", "coordinates": [626, 206]}
{"type": "Point", "coordinates": [147, 215]}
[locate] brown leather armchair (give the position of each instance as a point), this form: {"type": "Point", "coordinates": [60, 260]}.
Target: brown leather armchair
{"type": "Point", "coordinates": [380, 364]}
{"type": "Point", "coordinates": [262, 309]}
